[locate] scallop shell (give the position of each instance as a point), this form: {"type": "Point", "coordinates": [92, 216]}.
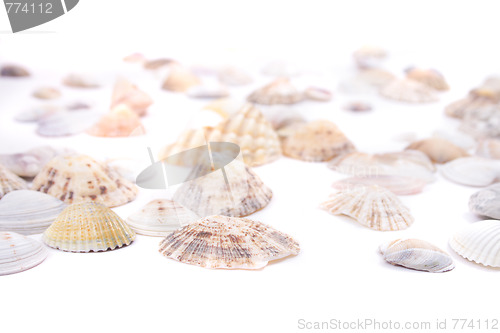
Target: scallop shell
{"type": "Point", "coordinates": [472, 171]}
{"type": "Point", "coordinates": [483, 122]}
{"type": "Point", "coordinates": [486, 202]}
{"type": "Point", "coordinates": [160, 217]}
{"type": "Point", "coordinates": [233, 76]}
{"type": "Point", "coordinates": [66, 123]}
{"type": "Point", "coordinates": [14, 71]}
{"type": "Point", "coordinates": [87, 227]}
{"type": "Point", "coordinates": [28, 212]}
{"type": "Point", "coordinates": [121, 121]}
{"type": "Point", "coordinates": [372, 206]}
{"type": "Point", "coordinates": [406, 90]}
{"type": "Point", "coordinates": [318, 94]}
{"type": "Point", "coordinates": [489, 148]}
{"type": "Point", "coordinates": [127, 93]}
{"type": "Point", "coordinates": [430, 77]}
{"type": "Point", "coordinates": [180, 79]}
{"type": "Point", "coordinates": [19, 253]}
{"type": "Point", "coordinates": [317, 141]}
{"type": "Point", "coordinates": [47, 93]}
{"type": "Point", "coordinates": [439, 150]}
{"type": "Point", "coordinates": [80, 81]}
{"type": "Point", "coordinates": [369, 56]}
{"type": "Point", "coordinates": [399, 185]}
{"type": "Point", "coordinates": [417, 254]}
{"type": "Point", "coordinates": [79, 178]}
{"type": "Point", "coordinates": [280, 91]}
{"type": "Point", "coordinates": [479, 242]}
{"type": "Point", "coordinates": [9, 181]}
{"type": "Point", "coordinates": [228, 242]}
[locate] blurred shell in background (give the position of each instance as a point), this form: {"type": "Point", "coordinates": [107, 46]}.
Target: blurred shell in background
{"type": "Point", "coordinates": [369, 56]}
{"type": "Point", "coordinates": [486, 202]}
{"type": "Point", "coordinates": [358, 106]}
{"type": "Point", "coordinates": [472, 171]}
{"type": "Point", "coordinates": [280, 91]}
{"type": "Point", "coordinates": [127, 93]}
{"type": "Point", "coordinates": [482, 122]}
{"type": "Point", "coordinates": [489, 148]}
{"type": "Point", "coordinates": [208, 90]}
{"type": "Point", "coordinates": [81, 81]}
{"type": "Point", "coordinates": [14, 71]}
{"type": "Point", "coordinates": [180, 79]}
{"type": "Point", "coordinates": [65, 123]}
{"type": "Point", "coordinates": [10, 182]}
{"type": "Point", "coordinates": [19, 253]}
{"type": "Point", "coordinates": [410, 91]}
{"type": "Point", "coordinates": [233, 76]}
{"type": "Point", "coordinates": [439, 150]}
{"type": "Point", "coordinates": [47, 93]}
{"type": "Point", "coordinates": [430, 77]}
{"type": "Point", "coordinates": [318, 94]}
{"type": "Point", "coordinates": [121, 121]}
{"type": "Point", "coordinates": [399, 185]}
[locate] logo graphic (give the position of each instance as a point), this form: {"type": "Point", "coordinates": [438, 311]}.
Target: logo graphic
{"type": "Point", "coordinates": [26, 14]}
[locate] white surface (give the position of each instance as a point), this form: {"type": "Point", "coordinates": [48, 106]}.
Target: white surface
{"type": "Point", "coordinates": [338, 274]}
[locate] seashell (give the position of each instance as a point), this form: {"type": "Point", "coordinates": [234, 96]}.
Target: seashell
{"type": "Point", "coordinates": [158, 63]}
{"type": "Point", "coordinates": [479, 242]}
{"type": "Point", "coordinates": [121, 121]}
{"type": "Point", "coordinates": [79, 178]}
{"type": "Point", "coordinates": [127, 93]}
{"type": "Point", "coordinates": [47, 93]}
{"type": "Point", "coordinates": [180, 79]}
{"type": "Point", "coordinates": [284, 122]}
{"type": "Point", "coordinates": [406, 90]}
{"type": "Point", "coordinates": [429, 77]}
{"type": "Point", "coordinates": [208, 91]}
{"type": "Point", "coordinates": [367, 81]}
{"type": "Point", "coordinates": [160, 217]}
{"type": "Point", "coordinates": [317, 141]}
{"type": "Point", "coordinates": [483, 122]}
{"type": "Point", "coordinates": [88, 227]}
{"type": "Point", "coordinates": [318, 94]}
{"type": "Point", "coordinates": [233, 76]}
{"type": "Point", "coordinates": [489, 148]}
{"type": "Point", "coordinates": [14, 71]}
{"type": "Point", "coordinates": [36, 113]}
{"type": "Point", "coordinates": [135, 57]}
{"type": "Point", "coordinates": [228, 242]}
{"type": "Point", "coordinates": [459, 108]}
{"type": "Point", "coordinates": [456, 137]}
{"type": "Point", "coordinates": [472, 171]}
{"type": "Point", "coordinates": [9, 181]}
{"type": "Point", "coordinates": [80, 81]}
{"type": "Point", "coordinates": [358, 106]}
{"type": "Point", "coordinates": [28, 212]}
{"type": "Point", "coordinates": [29, 164]}
{"type": "Point", "coordinates": [417, 254]}
{"type": "Point", "coordinates": [439, 150]}
{"type": "Point", "coordinates": [65, 123]}
{"type": "Point", "coordinates": [486, 202]}
{"type": "Point", "coordinates": [372, 206]}
{"type": "Point", "coordinates": [369, 56]}
{"type": "Point", "coordinates": [399, 185]}
{"type": "Point", "coordinates": [19, 253]}
{"type": "Point", "coordinates": [280, 91]}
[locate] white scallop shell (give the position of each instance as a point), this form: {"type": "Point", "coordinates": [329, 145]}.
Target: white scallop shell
{"type": "Point", "coordinates": [472, 171]}
{"type": "Point", "coordinates": [19, 253]}
{"type": "Point", "coordinates": [486, 202]}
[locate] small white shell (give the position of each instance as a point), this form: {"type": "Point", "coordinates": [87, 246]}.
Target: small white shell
{"type": "Point", "coordinates": [47, 93]}
{"type": "Point", "coordinates": [19, 253]}
{"type": "Point", "coordinates": [486, 202]}
{"type": "Point", "coordinates": [406, 90]}
{"type": "Point", "coordinates": [472, 171]}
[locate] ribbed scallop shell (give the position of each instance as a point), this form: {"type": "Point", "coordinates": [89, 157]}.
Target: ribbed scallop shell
{"type": "Point", "coordinates": [9, 181]}
{"type": "Point", "coordinates": [127, 93]}
{"type": "Point", "coordinates": [317, 141]}
{"type": "Point", "coordinates": [19, 253]}
{"type": "Point", "coordinates": [406, 90]}
{"type": "Point", "coordinates": [160, 217]}
{"type": "Point", "coordinates": [228, 242]}
{"type": "Point", "coordinates": [472, 171]}
{"type": "Point", "coordinates": [372, 206]}
{"type": "Point", "coordinates": [79, 178]}
{"type": "Point", "coordinates": [486, 202]}
{"type": "Point", "coordinates": [28, 212]}
{"type": "Point", "coordinates": [417, 254]}
{"type": "Point", "coordinates": [280, 91]}
{"type": "Point", "coordinates": [87, 227]}
{"type": "Point", "coordinates": [121, 121]}
{"type": "Point", "coordinates": [399, 185]}
{"type": "Point", "coordinates": [479, 242]}
{"type": "Point", "coordinates": [430, 77]}
{"type": "Point", "coordinates": [439, 150]}
{"type": "Point", "coordinates": [489, 148]}
{"type": "Point", "coordinates": [180, 79]}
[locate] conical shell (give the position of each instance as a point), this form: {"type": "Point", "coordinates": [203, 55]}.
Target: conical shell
{"type": "Point", "coordinates": [127, 93]}
{"type": "Point", "coordinates": [472, 171]}
{"type": "Point", "coordinates": [180, 79]}
{"type": "Point", "coordinates": [372, 206]}
{"type": "Point", "coordinates": [430, 77]}
{"type": "Point", "coordinates": [228, 242]}
{"type": "Point", "coordinates": [121, 121]}
{"type": "Point", "coordinates": [280, 91]}
{"type": "Point", "coordinates": [9, 181]}
{"type": "Point", "coordinates": [28, 212]}
{"type": "Point", "coordinates": [399, 185]}
{"type": "Point", "coordinates": [483, 122]}
{"type": "Point", "coordinates": [409, 91]}
{"type": "Point", "coordinates": [417, 254]}
{"type": "Point", "coordinates": [87, 227]}
{"type": "Point", "coordinates": [317, 141]}
{"type": "Point", "coordinates": [29, 163]}
{"type": "Point", "coordinates": [19, 253]}
{"type": "Point", "coordinates": [489, 148]}
{"type": "Point", "coordinates": [160, 217]}
{"type": "Point", "coordinates": [439, 150]}
{"type": "Point", "coordinates": [479, 242]}
{"type": "Point", "coordinates": [80, 178]}
{"type": "Point", "coordinates": [369, 56]}
{"type": "Point", "coordinates": [486, 202]}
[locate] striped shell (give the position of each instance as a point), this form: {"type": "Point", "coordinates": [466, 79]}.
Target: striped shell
{"type": "Point", "coordinates": [9, 181]}
{"type": "Point", "coordinates": [405, 90]}
{"type": "Point", "coordinates": [19, 253]}
{"type": "Point", "coordinates": [280, 91]}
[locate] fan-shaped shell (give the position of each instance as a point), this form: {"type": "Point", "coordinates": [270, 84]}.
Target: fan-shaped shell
{"type": "Point", "coordinates": [472, 171]}
{"type": "Point", "coordinates": [439, 150]}
{"type": "Point", "coordinates": [399, 185]}
{"type": "Point", "coordinates": [430, 77]}
{"type": "Point", "coordinates": [405, 90]}
{"type": "Point", "coordinates": [160, 217]}
{"type": "Point", "coordinates": [417, 254]}
{"type": "Point", "coordinates": [280, 91]}
{"type": "Point", "coordinates": [372, 206]}
{"type": "Point", "coordinates": [29, 163]}
{"type": "Point", "coordinates": [479, 242]}
{"type": "Point", "coordinates": [86, 227]}
{"type": "Point", "coordinates": [486, 202]}
{"type": "Point", "coordinates": [489, 148]}
{"type": "Point", "coordinates": [9, 181]}
{"type": "Point", "coordinates": [79, 178]}
{"type": "Point", "coordinates": [19, 253]}
{"type": "Point", "coordinates": [127, 93]}
{"type": "Point", "coordinates": [180, 79]}
{"type": "Point", "coordinates": [228, 242]}
{"type": "Point", "coordinates": [121, 121]}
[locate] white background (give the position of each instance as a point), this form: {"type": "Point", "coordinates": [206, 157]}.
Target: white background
{"type": "Point", "coordinates": [338, 274]}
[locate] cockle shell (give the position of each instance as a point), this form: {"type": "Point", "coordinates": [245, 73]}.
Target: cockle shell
{"type": "Point", "coordinates": [372, 206]}
{"type": "Point", "coordinates": [86, 227]}
{"type": "Point", "coordinates": [317, 141]}
{"type": "Point", "coordinates": [228, 242]}
{"type": "Point", "coordinates": [66, 123]}
{"type": "Point", "coordinates": [489, 148]}
{"type": "Point", "coordinates": [369, 56]}
{"type": "Point", "coordinates": [79, 178]}
{"type": "Point", "coordinates": [479, 242]}
{"type": "Point", "coordinates": [233, 76]}
{"type": "Point", "coordinates": [280, 91]}
{"type": "Point", "coordinates": [127, 93]}
{"type": "Point", "coordinates": [430, 77]}
{"type": "Point", "coordinates": [439, 150]}
{"type": "Point", "coordinates": [47, 93]}
{"type": "Point", "coordinates": [160, 217]}
{"type": "Point", "coordinates": [28, 212]}
{"type": "Point", "coordinates": [399, 185]}
{"type": "Point", "coordinates": [486, 202]}
{"type": "Point", "coordinates": [472, 171]}
{"type": "Point", "coordinates": [180, 79]}
{"type": "Point", "coordinates": [483, 122]}
{"type": "Point", "coordinates": [29, 163]}
{"type": "Point", "coordinates": [318, 94]}
{"type": "Point", "coordinates": [417, 254]}
{"type": "Point", "coordinates": [121, 121]}
{"type": "Point", "coordinates": [80, 81]}
{"type": "Point", "coordinates": [19, 253]}
{"type": "Point", "coordinates": [10, 181]}
{"type": "Point", "coordinates": [410, 91]}
{"type": "Point", "coordinates": [14, 71]}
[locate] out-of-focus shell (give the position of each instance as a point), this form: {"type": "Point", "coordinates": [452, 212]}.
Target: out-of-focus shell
{"type": "Point", "coordinates": [81, 81]}
{"type": "Point", "coordinates": [10, 181]}
{"type": "Point", "coordinates": [479, 242]}
{"type": "Point", "coordinates": [372, 206]}
{"type": "Point", "coordinates": [472, 171]}
{"type": "Point", "coordinates": [79, 178]}
{"type": "Point", "coordinates": [135, 57]}
{"type": "Point", "coordinates": [28, 212]}
{"type": "Point", "coordinates": [439, 150]}
{"type": "Point", "coordinates": [127, 93]}
{"type": "Point", "coordinates": [19, 253]}
{"type": "Point", "coordinates": [66, 123]}
{"type": "Point", "coordinates": [119, 122]}
{"type": "Point", "coordinates": [486, 202]}
{"type": "Point", "coordinates": [317, 141]}
{"type": "Point", "coordinates": [429, 77]}
{"type": "Point", "coordinates": [369, 56]}
{"type": "Point", "coordinates": [14, 71]}
{"type": "Point", "coordinates": [233, 76]}
{"type": "Point", "coordinates": [489, 148]}
{"type": "Point", "coordinates": [208, 91]}
{"type": "Point", "coordinates": [160, 217]}
{"type": "Point", "coordinates": [228, 242]}
{"type": "Point", "coordinates": [280, 91]}
{"type": "Point", "coordinates": [473, 102]}
{"type": "Point", "coordinates": [366, 81]}
{"type": "Point", "coordinates": [318, 94]}
{"type": "Point", "coordinates": [483, 122]}
{"type": "Point", "coordinates": [47, 93]}
{"type": "Point", "coordinates": [158, 63]}
{"type": "Point", "coordinates": [410, 91]}
{"type": "Point", "coordinates": [180, 79]}
{"type": "Point", "coordinates": [399, 185]}
{"type": "Point", "coordinates": [87, 227]}
{"type": "Point", "coordinates": [29, 163]}
{"type": "Point", "coordinates": [358, 106]}
{"type": "Point", "coordinates": [285, 122]}
{"type": "Point", "coordinates": [417, 254]}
